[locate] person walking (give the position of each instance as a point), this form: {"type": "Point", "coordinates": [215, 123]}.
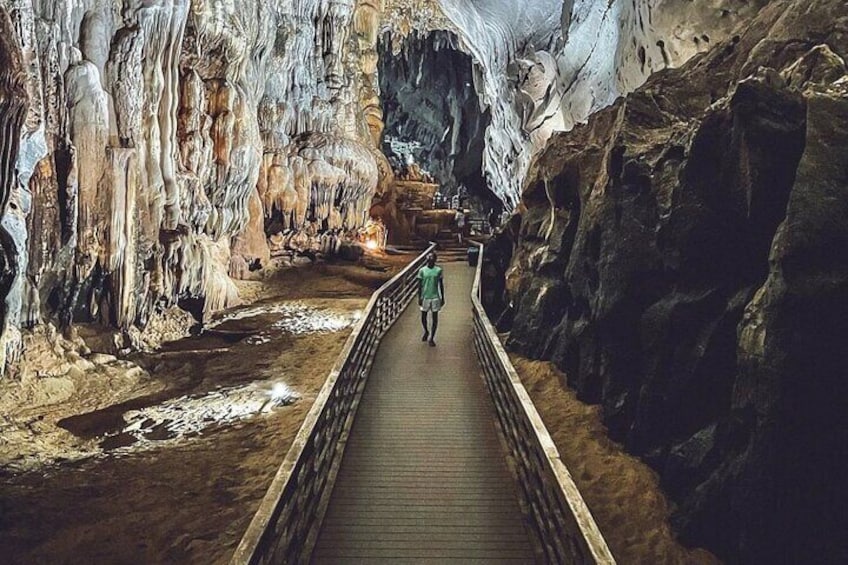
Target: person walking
{"type": "Point", "coordinates": [431, 296]}
{"type": "Point", "coordinates": [460, 219]}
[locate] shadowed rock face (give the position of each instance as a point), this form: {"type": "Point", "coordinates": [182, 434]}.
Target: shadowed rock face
{"type": "Point", "coordinates": [681, 257]}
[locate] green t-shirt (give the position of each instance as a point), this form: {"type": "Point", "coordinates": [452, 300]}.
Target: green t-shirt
{"type": "Point", "coordinates": [429, 279]}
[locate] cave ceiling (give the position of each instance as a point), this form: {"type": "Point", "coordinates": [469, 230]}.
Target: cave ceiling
{"type": "Point", "coordinates": [543, 66]}
{"type": "Point", "coordinates": [167, 147]}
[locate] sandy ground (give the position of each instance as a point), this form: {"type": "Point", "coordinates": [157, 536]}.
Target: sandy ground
{"type": "Point", "coordinates": [622, 493]}
{"type": "Point", "coordinates": [164, 456]}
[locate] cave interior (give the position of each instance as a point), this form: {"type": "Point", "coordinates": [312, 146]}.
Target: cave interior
{"type": "Point", "coordinates": [207, 203]}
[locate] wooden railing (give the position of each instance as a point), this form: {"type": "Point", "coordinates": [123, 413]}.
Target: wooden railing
{"type": "Point", "coordinates": [285, 527]}
{"type": "Point", "coordinates": [564, 529]}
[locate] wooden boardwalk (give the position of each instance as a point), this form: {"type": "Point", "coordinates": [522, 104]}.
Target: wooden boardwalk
{"type": "Point", "coordinates": [424, 476]}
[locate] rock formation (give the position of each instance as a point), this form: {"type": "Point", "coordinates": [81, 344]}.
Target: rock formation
{"type": "Point", "coordinates": [149, 146]}
{"type": "Point", "coordinates": [163, 143]}
{"type": "Point", "coordinates": [543, 66]}
{"type": "Point", "coordinates": [13, 112]}
{"type": "Point", "coordinates": [681, 257]}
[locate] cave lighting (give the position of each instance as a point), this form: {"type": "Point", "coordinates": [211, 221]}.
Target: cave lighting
{"type": "Point", "coordinates": [280, 392]}
{"type": "Point", "coordinates": [373, 235]}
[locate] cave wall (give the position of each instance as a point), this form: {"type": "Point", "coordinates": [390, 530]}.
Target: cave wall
{"type": "Point", "coordinates": [681, 258]}
{"type": "Point", "coordinates": [149, 146]}
{"type": "Point", "coordinates": [544, 66]}
{"type": "Point", "coordinates": [13, 112]}
{"type": "Point", "coordinates": [547, 65]}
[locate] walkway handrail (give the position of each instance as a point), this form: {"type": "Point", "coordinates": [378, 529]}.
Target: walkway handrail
{"type": "Point", "coordinates": [285, 527]}
{"type": "Point", "coordinates": [561, 522]}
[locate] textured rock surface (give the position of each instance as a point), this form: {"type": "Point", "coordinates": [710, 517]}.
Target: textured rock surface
{"type": "Point", "coordinates": [681, 258]}
{"type": "Point", "coordinates": [163, 138]}
{"type": "Point", "coordinates": [13, 112]}
{"type": "Point", "coordinates": [543, 66]}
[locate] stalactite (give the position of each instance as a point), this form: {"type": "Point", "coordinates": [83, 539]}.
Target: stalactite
{"type": "Point", "coordinates": [14, 103]}
{"type": "Point", "coordinates": [162, 138]}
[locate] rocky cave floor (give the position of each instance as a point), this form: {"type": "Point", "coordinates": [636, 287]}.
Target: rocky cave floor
{"type": "Point", "coordinates": [622, 492]}
{"type": "Point", "coordinates": [163, 456]}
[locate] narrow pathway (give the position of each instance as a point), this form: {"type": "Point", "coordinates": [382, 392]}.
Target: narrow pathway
{"type": "Point", "coordinates": [424, 477]}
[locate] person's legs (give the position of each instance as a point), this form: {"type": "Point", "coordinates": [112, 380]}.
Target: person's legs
{"type": "Point", "coordinates": [435, 326]}
{"type": "Point", "coordinates": [424, 324]}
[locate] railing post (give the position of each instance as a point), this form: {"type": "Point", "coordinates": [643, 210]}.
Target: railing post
{"type": "Point", "coordinates": [563, 526]}
{"type": "Point", "coordinates": [285, 527]}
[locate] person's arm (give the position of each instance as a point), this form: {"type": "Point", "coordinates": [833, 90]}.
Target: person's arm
{"type": "Point", "coordinates": [420, 288]}
{"type": "Point", "coordinates": [442, 287]}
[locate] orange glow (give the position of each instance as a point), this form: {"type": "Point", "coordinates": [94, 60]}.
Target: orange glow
{"type": "Point", "coordinates": [372, 235]}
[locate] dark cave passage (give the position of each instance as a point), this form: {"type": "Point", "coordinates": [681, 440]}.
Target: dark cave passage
{"type": "Point", "coordinates": [433, 115]}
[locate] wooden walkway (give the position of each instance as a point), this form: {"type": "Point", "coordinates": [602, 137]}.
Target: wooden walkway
{"type": "Point", "coordinates": [424, 476]}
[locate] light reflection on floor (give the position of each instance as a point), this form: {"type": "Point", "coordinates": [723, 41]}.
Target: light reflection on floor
{"type": "Point", "coordinates": [295, 318]}
{"type": "Point", "coordinates": [191, 415]}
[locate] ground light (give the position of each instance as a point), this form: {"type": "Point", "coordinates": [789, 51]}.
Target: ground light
{"type": "Point", "coordinates": [373, 235]}
{"type": "Point", "coordinates": [279, 395]}
{"type": "Point", "coordinates": [280, 392]}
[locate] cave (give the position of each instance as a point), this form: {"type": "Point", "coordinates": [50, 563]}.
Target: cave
{"type": "Point", "coordinates": [433, 114]}
{"type": "Point", "coordinates": [327, 281]}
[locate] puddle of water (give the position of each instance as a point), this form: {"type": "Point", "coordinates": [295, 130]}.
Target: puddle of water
{"type": "Point", "coordinates": [191, 415]}
{"type": "Point", "coordinates": [293, 318]}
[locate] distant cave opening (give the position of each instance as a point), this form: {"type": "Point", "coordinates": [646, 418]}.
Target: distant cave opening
{"type": "Point", "coordinates": [433, 118]}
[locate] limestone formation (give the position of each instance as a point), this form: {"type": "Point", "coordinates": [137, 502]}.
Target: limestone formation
{"type": "Point", "coordinates": [163, 142]}
{"type": "Point", "coordinates": [162, 138]}
{"type": "Point", "coordinates": [680, 256]}
{"type": "Point", "coordinates": [13, 113]}
{"type": "Point", "coordinates": [541, 67]}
